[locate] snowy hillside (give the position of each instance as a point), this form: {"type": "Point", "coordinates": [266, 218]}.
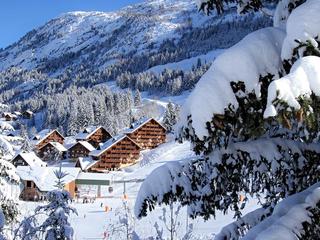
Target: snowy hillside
{"type": "Point", "coordinates": [103, 39]}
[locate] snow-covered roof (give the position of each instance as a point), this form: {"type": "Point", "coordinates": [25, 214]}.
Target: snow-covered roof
{"type": "Point", "coordinates": [94, 176]}
{"type": "Point", "coordinates": [138, 124]}
{"type": "Point", "coordinates": [44, 177]}
{"type": "Point", "coordinates": [110, 143]}
{"type": "Point", "coordinates": [31, 159]}
{"type": "Point", "coordinates": [9, 114]}
{"type": "Point", "coordinates": [84, 144]}
{"type": "Point", "coordinates": [86, 162]}
{"type": "Point", "coordinates": [29, 112]}
{"type": "Point", "coordinates": [43, 135]}
{"type": "Point", "coordinates": [57, 146]}
{"type": "Point", "coordinates": [87, 132]}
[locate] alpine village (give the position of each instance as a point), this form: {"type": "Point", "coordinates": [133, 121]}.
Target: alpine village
{"type": "Point", "coordinates": [160, 120]}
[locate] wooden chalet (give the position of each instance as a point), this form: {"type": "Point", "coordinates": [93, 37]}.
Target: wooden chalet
{"type": "Point", "coordinates": [52, 148]}
{"type": "Point", "coordinates": [27, 159]}
{"type": "Point", "coordinates": [46, 136]}
{"type": "Point", "coordinates": [94, 135]}
{"type": "Point", "coordinates": [27, 114]}
{"type": "Point", "coordinates": [38, 181]}
{"type": "Point", "coordinates": [9, 116]}
{"type": "Point", "coordinates": [147, 133]}
{"type": "Point", "coordinates": [80, 149]}
{"type": "Point", "coordinates": [114, 154]}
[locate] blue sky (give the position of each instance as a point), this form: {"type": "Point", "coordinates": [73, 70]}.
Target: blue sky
{"type": "Point", "coordinates": [17, 17]}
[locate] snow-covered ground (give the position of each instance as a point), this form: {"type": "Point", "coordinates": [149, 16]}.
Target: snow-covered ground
{"type": "Point", "coordinates": [92, 221]}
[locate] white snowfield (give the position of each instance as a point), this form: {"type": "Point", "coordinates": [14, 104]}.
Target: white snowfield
{"type": "Point", "coordinates": [256, 55]}
{"type": "Point", "coordinates": [303, 80]}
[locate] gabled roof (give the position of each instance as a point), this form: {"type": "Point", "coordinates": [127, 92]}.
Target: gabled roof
{"type": "Point", "coordinates": [86, 162]}
{"type": "Point", "coordinates": [44, 177]}
{"type": "Point", "coordinates": [31, 159]}
{"type": "Point", "coordinates": [88, 132]}
{"type": "Point", "coordinates": [9, 114]}
{"type": "Point", "coordinates": [39, 137]}
{"type": "Point", "coordinates": [138, 124]}
{"type": "Point", "coordinates": [85, 144]}
{"type": "Point", "coordinates": [58, 146]}
{"type": "Point", "coordinates": [110, 143]}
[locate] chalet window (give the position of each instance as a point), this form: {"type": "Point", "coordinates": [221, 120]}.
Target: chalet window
{"type": "Point", "coordinates": [29, 184]}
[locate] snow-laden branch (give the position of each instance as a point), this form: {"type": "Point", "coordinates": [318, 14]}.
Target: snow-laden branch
{"type": "Point", "coordinates": [303, 80]}
{"type": "Point", "coordinates": [256, 55]}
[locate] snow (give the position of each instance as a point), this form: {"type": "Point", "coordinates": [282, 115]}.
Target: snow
{"type": "Point", "coordinates": [87, 132]}
{"type": "Point", "coordinates": [303, 25]}
{"type": "Point", "coordinates": [44, 177]}
{"type": "Point", "coordinates": [57, 146]}
{"type": "Point", "coordinates": [86, 162]}
{"type": "Point", "coordinates": [91, 221]}
{"type": "Point", "coordinates": [85, 144]}
{"type": "Point", "coordinates": [242, 62]}
{"type": "Point", "coordinates": [4, 126]}
{"type": "Point", "coordinates": [281, 14]}
{"type": "Point", "coordinates": [187, 64]}
{"type": "Point", "coordinates": [287, 217]}
{"type": "Point", "coordinates": [31, 159]}
{"type": "Point", "coordinates": [6, 147]}
{"type": "Point", "coordinates": [304, 79]}
{"type": "Point", "coordinates": [94, 176]}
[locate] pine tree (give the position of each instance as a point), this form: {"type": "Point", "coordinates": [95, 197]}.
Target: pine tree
{"type": "Point", "coordinates": [170, 117]}
{"type": "Point", "coordinates": [137, 98]}
{"type": "Point", "coordinates": [8, 202]}
{"type": "Point", "coordinates": [26, 144]}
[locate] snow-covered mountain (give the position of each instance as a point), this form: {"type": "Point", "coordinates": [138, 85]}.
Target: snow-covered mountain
{"type": "Point", "coordinates": [160, 47]}
{"type": "Point", "coordinates": [147, 29]}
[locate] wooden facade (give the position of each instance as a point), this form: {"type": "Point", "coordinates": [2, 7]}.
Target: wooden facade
{"type": "Point", "coordinates": [78, 150]}
{"type": "Point", "coordinates": [31, 192]}
{"type": "Point", "coordinates": [27, 114]}
{"type": "Point", "coordinates": [19, 161]}
{"type": "Point", "coordinates": [9, 117]}
{"type": "Point", "coordinates": [94, 136]}
{"type": "Point", "coordinates": [148, 135]}
{"type": "Point", "coordinates": [49, 150]}
{"type": "Point", "coordinates": [123, 152]}
{"type": "Point", "coordinates": [53, 136]}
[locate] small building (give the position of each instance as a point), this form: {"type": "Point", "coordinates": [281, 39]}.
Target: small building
{"type": "Point", "coordinates": [51, 150]}
{"type": "Point", "coordinates": [46, 136]}
{"type": "Point", "coordinates": [27, 159]}
{"type": "Point", "coordinates": [116, 153]}
{"type": "Point", "coordinates": [94, 185]}
{"type": "Point", "coordinates": [79, 149]}
{"type": "Point", "coordinates": [9, 116]}
{"type": "Point", "coordinates": [17, 113]}
{"type": "Point", "coordinates": [27, 114]}
{"type": "Point", "coordinates": [147, 133]}
{"type": "Point", "coordinates": [94, 135]}
{"type": "Point", "coordinates": [38, 181]}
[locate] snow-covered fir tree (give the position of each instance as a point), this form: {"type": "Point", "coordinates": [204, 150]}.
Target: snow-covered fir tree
{"type": "Point", "coordinates": [9, 188]}
{"type": "Point", "coordinates": [170, 116]}
{"type": "Point", "coordinates": [137, 98]}
{"type": "Point", "coordinates": [26, 143]}
{"type": "Point", "coordinates": [253, 119]}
